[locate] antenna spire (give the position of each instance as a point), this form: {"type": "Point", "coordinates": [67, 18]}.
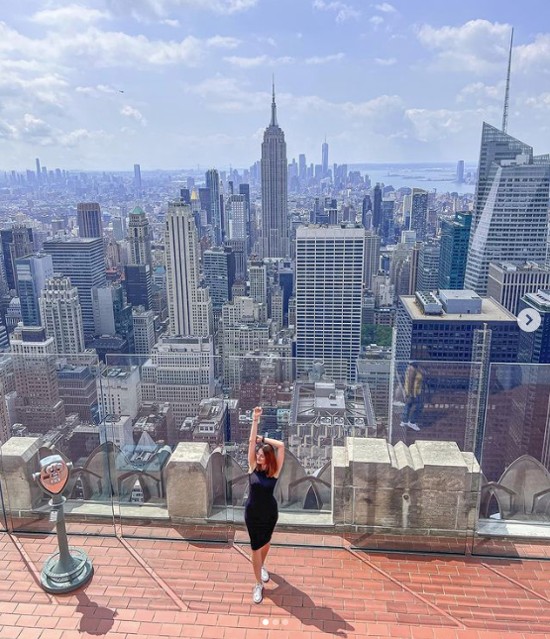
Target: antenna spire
{"type": "Point", "coordinates": [507, 92]}
{"type": "Point", "coordinates": [273, 105]}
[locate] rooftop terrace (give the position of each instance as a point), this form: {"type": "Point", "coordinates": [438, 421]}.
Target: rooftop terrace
{"type": "Point", "coordinates": [166, 588]}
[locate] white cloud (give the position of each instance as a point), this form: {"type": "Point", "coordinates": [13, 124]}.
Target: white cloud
{"type": "Point", "coordinates": [161, 8]}
{"type": "Point", "coordinates": [67, 17]}
{"type": "Point", "coordinates": [33, 130]}
{"type": "Point", "coordinates": [257, 61]}
{"type": "Point", "coordinates": [335, 57]}
{"type": "Point", "coordinates": [376, 21]}
{"type": "Point", "coordinates": [478, 46]}
{"type": "Point", "coordinates": [385, 62]}
{"type": "Point", "coordinates": [479, 93]}
{"type": "Point", "coordinates": [533, 57]}
{"type": "Point", "coordinates": [98, 91]}
{"type": "Point", "coordinates": [440, 125]}
{"type": "Point", "coordinates": [133, 113]}
{"type": "Point", "coordinates": [109, 48]}
{"type": "Point", "coordinates": [223, 42]}
{"type": "Point", "coordinates": [540, 102]}
{"type": "Point", "coordinates": [343, 11]}
{"type": "Point", "coordinates": [385, 7]}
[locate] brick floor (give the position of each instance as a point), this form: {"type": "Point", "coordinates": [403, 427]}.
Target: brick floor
{"type": "Point", "coordinates": [164, 588]}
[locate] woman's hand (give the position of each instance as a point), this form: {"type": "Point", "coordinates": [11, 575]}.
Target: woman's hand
{"type": "Point", "coordinates": [259, 438]}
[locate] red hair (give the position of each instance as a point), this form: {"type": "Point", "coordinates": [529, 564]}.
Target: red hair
{"type": "Point", "coordinates": [270, 459]}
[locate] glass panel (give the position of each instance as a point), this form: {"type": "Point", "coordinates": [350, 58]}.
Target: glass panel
{"type": "Point", "coordinates": [304, 405]}
{"type": "Point", "coordinates": [514, 509]}
{"type": "Point", "coordinates": [169, 422]}
{"type": "Point", "coordinates": [412, 481]}
{"type": "Point", "coordinates": [52, 404]}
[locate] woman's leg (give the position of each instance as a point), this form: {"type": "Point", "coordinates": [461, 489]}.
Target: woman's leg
{"type": "Point", "coordinates": [264, 550]}
{"type": "Point", "coordinates": [257, 562]}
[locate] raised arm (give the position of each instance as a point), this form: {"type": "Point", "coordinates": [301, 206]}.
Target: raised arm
{"type": "Point", "coordinates": [256, 414]}
{"type": "Point", "coordinates": [280, 448]}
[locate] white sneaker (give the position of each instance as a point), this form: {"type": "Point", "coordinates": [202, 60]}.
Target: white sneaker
{"type": "Point", "coordinates": [265, 575]}
{"type": "Point", "coordinates": [258, 593]}
{"type": "Point", "coordinates": [413, 426]}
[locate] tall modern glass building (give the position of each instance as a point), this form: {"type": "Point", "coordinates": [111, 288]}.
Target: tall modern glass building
{"type": "Point", "coordinates": [330, 264]}
{"type": "Point", "coordinates": [213, 185]}
{"type": "Point", "coordinates": [83, 261]}
{"type": "Point", "coordinates": [32, 272]}
{"type": "Point", "coordinates": [275, 237]}
{"type": "Point", "coordinates": [455, 236]}
{"type": "Point", "coordinates": [89, 219]}
{"type": "Point", "coordinates": [510, 219]}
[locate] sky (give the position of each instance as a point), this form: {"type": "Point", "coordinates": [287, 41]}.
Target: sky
{"type": "Point", "coordinates": [172, 84]}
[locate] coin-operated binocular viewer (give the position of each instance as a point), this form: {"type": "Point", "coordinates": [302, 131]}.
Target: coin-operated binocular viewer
{"type": "Point", "coordinates": [69, 568]}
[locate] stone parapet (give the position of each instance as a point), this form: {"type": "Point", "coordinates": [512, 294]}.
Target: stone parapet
{"type": "Point", "coordinates": [188, 490]}
{"type": "Point", "coordinates": [428, 485]}
{"type": "Point", "coordinates": [18, 461]}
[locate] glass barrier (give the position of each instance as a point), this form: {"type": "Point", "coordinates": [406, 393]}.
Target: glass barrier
{"type": "Point", "coordinates": [393, 455]}
{"type": "Point", "coordinates": [412, 486]}
{"type": "Point", "coordinates": [51, 405]}
{"type": "Point", "coordinates": [514, 505]}
{"type": "Point", "coordinates": [171, 423]}
{"type": "Point", "coordinates": [305, 405]}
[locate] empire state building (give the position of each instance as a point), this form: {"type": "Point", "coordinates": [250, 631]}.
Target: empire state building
{"type": "Point", "coordinates": [275, 241]}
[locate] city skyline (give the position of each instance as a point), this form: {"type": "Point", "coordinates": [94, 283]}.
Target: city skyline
{"type": "Point", "coordinates": [176, 83]}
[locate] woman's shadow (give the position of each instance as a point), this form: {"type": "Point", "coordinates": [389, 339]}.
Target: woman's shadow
{"type": "Point", "coordinates": [303, 608]}
{"type": "Point", "coordinates": [96, 620]}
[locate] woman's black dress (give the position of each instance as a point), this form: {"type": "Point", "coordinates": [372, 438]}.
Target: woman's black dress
{"type": "Point", "coordinates": [260, 513]}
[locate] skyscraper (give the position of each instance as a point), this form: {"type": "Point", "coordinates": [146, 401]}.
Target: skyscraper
{"type": "Point", "coordinates": [219, 274]}
{"type": "Point", "coordinates": [372, 257]}
{"type": "Point", "coordinates": [508, 282]}
{"type": "Point", "coordinates": [329, 286]}
{"type": "Point", "coordinates": [302, 167]}
{"type": "Point", "coordinates": [62, 315]}
{"type": "Point", "coordinates": [16, 242]}
{"type": "Point", "coordinates": [427, 277]}
{"type": "Point", "coordinates": [455, 235]}
{"type": "Point", "coordinates": [275, 238]}
{"type": "Point", "coordinates": [144, 330]}
{"type": "Point", "coordinates": [460, 172]}
{"type": "Point", "coordinates": [137, 179]}
{"type": "Point", "coordinates": [237, 217]}
{"type": "Point", "coordinates": [189, 304]}
{"type": "Point", "coordinates": [32, 272]}
{"type": "Point", "coordinates": [510, 219]}
{"type": "Point", "coordinates": [83, 261]}
{"type": "Point", "coordinates": [89, 219]}
{"type": "Point", "coordinates": [138, 283]}
{"type": "Point", "coordinates": [139, 237]}
{"type": "Point", "coordinates": [324, 158]}
{"type": "Point", "coordinates": [377, 207]}
{"type": "Point", "coordinates": [38, 404]}
{"type": "Point", "coordinates": [419, 213]}
{"type": "Point", "coordinates": [213, 185]}
{"type": "Point", "coordinates": [257, 273]}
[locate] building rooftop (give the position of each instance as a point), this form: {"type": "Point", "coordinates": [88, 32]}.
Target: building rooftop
{"type": "Point", "coordinates": [491, 311]}
{"type": "Point", "coordinates": [520, 266]}
{"type": "Point", "coordinates": [169, 587]}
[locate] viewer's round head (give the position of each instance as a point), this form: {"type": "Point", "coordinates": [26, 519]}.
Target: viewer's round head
{"type": "Point", "coordinates": [266, 460]}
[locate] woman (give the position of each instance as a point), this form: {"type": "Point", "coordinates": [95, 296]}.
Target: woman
{"type": "Point", "coordinates": [260, 514]}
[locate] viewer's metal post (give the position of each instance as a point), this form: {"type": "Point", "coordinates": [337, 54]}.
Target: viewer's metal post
{"type": "Point", "coordinates": [69, 568]}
